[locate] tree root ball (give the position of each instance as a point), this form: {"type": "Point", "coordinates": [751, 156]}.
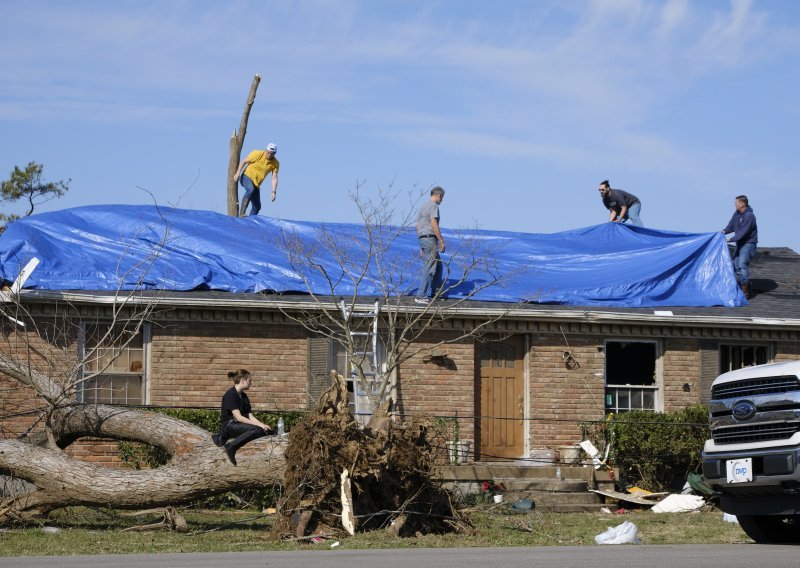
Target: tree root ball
{"type": "Point", "coordinates": [391, 471]}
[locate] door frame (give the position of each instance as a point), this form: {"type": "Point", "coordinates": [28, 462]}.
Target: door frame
{"type": "Point", "coordinates": [524, 340]}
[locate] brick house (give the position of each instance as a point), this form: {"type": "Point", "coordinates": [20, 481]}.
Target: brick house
{"type": "Point", "coordinates": [523, 388]}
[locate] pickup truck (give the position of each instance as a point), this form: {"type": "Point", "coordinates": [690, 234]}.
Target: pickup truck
{"type": "Point", "coordinates": [752, 460]}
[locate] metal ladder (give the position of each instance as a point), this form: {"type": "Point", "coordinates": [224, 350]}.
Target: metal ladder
{"type": "Point", "coordinates": [365, 342]}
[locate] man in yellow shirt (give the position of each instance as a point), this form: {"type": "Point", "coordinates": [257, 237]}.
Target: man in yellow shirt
{"type": "Point", "coordinates": [252, 172]}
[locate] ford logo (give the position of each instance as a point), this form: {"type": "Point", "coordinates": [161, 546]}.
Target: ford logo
{"type": "Point", "coordinates": [744, 410]}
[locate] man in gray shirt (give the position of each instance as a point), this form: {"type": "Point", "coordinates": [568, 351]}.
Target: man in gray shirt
{"type": "Point", "coordinates": [624, 207]}
{"type": "Point", "coordinates": [430, 244]}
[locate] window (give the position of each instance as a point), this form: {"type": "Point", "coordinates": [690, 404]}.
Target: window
{"type": "Point", "coordinates": [732, 357]}
{"type": "Point", "coordinates": [357, 397]}
{"type": "Point", "coordinates": [631, 376]}
{"type": "Point", "coordinates": [114, 364]}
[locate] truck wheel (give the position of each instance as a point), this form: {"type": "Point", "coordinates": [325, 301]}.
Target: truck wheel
{"type": "Point", "coordinates": [771, 529]}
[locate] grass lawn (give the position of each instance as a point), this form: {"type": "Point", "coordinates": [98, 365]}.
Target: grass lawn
{"type": "Point", "coordinates": [86, 531]}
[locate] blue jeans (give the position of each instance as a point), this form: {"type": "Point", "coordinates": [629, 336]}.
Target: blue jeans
{"type": "Point", "coordinates": [741, 261]}
{"type": "Point", "coordinates": [430, 277]}
{"type": "Point", "coordinates": [632, 216]}
{"type": "Point", "coordinates": [251, 192]}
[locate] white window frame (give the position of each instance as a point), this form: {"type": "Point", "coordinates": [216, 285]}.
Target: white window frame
{"type": "Point", "coordinates": [614, 390]}
{"type": "Point", "coordinates": [145, 332]}
{"type": "Point", "coordinates": [357, 399]}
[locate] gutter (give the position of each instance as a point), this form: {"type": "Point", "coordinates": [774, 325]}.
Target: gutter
{"type": "Point", "coordinates": [518, 312]}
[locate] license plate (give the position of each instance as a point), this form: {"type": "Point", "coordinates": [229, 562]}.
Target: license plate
{"type": "Point", "coordinates": [739, 471]}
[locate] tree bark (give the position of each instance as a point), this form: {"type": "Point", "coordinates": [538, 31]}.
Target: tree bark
{"type": "Point", "coordinates": [236, 144]}
{"type": "Point", "coordinates": [196, 469]}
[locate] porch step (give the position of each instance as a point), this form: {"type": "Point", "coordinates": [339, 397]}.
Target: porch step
{"type": "Point", "coordinates": [496, 471]}
{"type": "Point", "coordinates": [544, 485]}
{"type": "Point", "coordinates": [569, 494]}
{"type": "Point", "coordinates": [550, 498]}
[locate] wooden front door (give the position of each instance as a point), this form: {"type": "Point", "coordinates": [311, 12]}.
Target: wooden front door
{"type": "Point", "coordinates": [502, 400]}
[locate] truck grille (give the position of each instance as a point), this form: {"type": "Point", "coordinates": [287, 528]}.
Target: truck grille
{"type": "Point", "coordinates": [755, 433]}
{"type": "Point", "coordinates": [755, 387]}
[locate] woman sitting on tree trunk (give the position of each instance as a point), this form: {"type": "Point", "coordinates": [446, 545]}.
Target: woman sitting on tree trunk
{"type": "Point", "coordinates": [236, 420]}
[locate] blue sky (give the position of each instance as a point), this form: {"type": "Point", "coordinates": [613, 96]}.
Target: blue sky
{"type": "Point", "coordinates": [518, 109]}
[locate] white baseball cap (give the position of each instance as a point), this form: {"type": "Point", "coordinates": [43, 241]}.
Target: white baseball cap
{"type": "Point", "coordinates": [272, 147]}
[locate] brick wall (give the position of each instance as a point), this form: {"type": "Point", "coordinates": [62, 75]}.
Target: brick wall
{"type": "Point", "coordinates": [97, 451]}
{"type": "Point", "coordinates": [49, 347]}
{"type": "Point", "coordinates": [190, 364]}
{"type": "Point", "coordinates": [564, 393]}
{"type": "Point", "coordinates": [441, 389]}
{"type": "Point", "coordinates": [680, 366]}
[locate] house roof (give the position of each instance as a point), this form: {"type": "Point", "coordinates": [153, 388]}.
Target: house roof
{"type": "Point", "coordinates": [111, 248]}
{"type": "Point", "coordinates": [775, 281]}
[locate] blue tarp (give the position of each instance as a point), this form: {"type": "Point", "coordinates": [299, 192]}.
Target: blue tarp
{"type": "Point", "coordinates": [126, 247]}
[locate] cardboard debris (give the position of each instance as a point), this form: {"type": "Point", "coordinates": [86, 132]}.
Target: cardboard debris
{"type": "Point", "coordinates": [649, 499]}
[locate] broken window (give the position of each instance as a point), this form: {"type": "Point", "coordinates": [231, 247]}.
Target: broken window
{"type": "Point", "coordinates": [114, 367]}
{"type": "Point", "coordinates": [732, 357]}
{"type": "Point", "coordinates": [631, 376]}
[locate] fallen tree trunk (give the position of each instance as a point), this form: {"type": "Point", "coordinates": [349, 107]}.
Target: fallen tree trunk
{"type": "Point", "coordinates": [197, 468]}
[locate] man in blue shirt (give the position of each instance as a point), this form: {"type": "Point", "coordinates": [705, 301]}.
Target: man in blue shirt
{"type": "Point", "coordinates": [745, 235]}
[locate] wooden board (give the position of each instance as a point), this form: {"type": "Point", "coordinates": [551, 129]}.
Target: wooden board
{"type": "Point", "coordinates": [650, 500]}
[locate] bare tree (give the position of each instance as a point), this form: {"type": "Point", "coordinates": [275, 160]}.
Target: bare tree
{"type": "Point", "coordinates": [237, 142]}
{"type": "Point", "coordinates": [358, 283]}
{"type": "Point", "coordinates": [379, 277]}
{"type": "Point", "coordinates": [48, 379]}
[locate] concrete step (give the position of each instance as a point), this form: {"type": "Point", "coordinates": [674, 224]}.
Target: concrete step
{"type": "Point", "coordinates": [578, 508]}
{"type": "Point", "coordinates": [571, 493]}
{"type": "Point", "coordinates": [494, 471]}
{"type": "Point", "coordinates": [551, 498]}
{"type": "Point", "coordinates": [544, 484]}
{"type": "Point", "coordinates": [559, 502]}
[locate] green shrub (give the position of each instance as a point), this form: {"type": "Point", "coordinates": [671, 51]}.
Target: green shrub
{"type": "Point", "coordinates": [654, 451]}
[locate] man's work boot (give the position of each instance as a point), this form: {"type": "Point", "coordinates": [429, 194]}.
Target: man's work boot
{"type": "Point", "coordinates": [745, 286]}
{"type": "Point", "coordinates": [217, 439]}
{"type": "Point", "coordinates": [243, 208]}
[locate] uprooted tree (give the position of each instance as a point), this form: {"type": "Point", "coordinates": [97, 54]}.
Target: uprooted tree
{"type": "Point", "coordinates": [342, 475]}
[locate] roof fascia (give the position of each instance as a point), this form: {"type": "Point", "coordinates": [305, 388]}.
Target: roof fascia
{"type": "Point", "coordinates": [518, 312]}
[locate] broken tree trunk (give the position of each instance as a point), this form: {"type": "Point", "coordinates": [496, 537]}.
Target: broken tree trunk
{"type": "Point", "coordinates": [236, 144]}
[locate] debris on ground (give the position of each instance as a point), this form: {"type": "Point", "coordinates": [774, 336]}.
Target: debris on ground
{"type": "Point", "coordinates": [621, 534]}
{"type": "Point", "coordinates": [640, 499]}
{"type": "Point", "coordinates": [522, 505]}
{"type": "Point", "coordinates": [678, 503]}
{"type": "Point", "coordinates": [171, 520]}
